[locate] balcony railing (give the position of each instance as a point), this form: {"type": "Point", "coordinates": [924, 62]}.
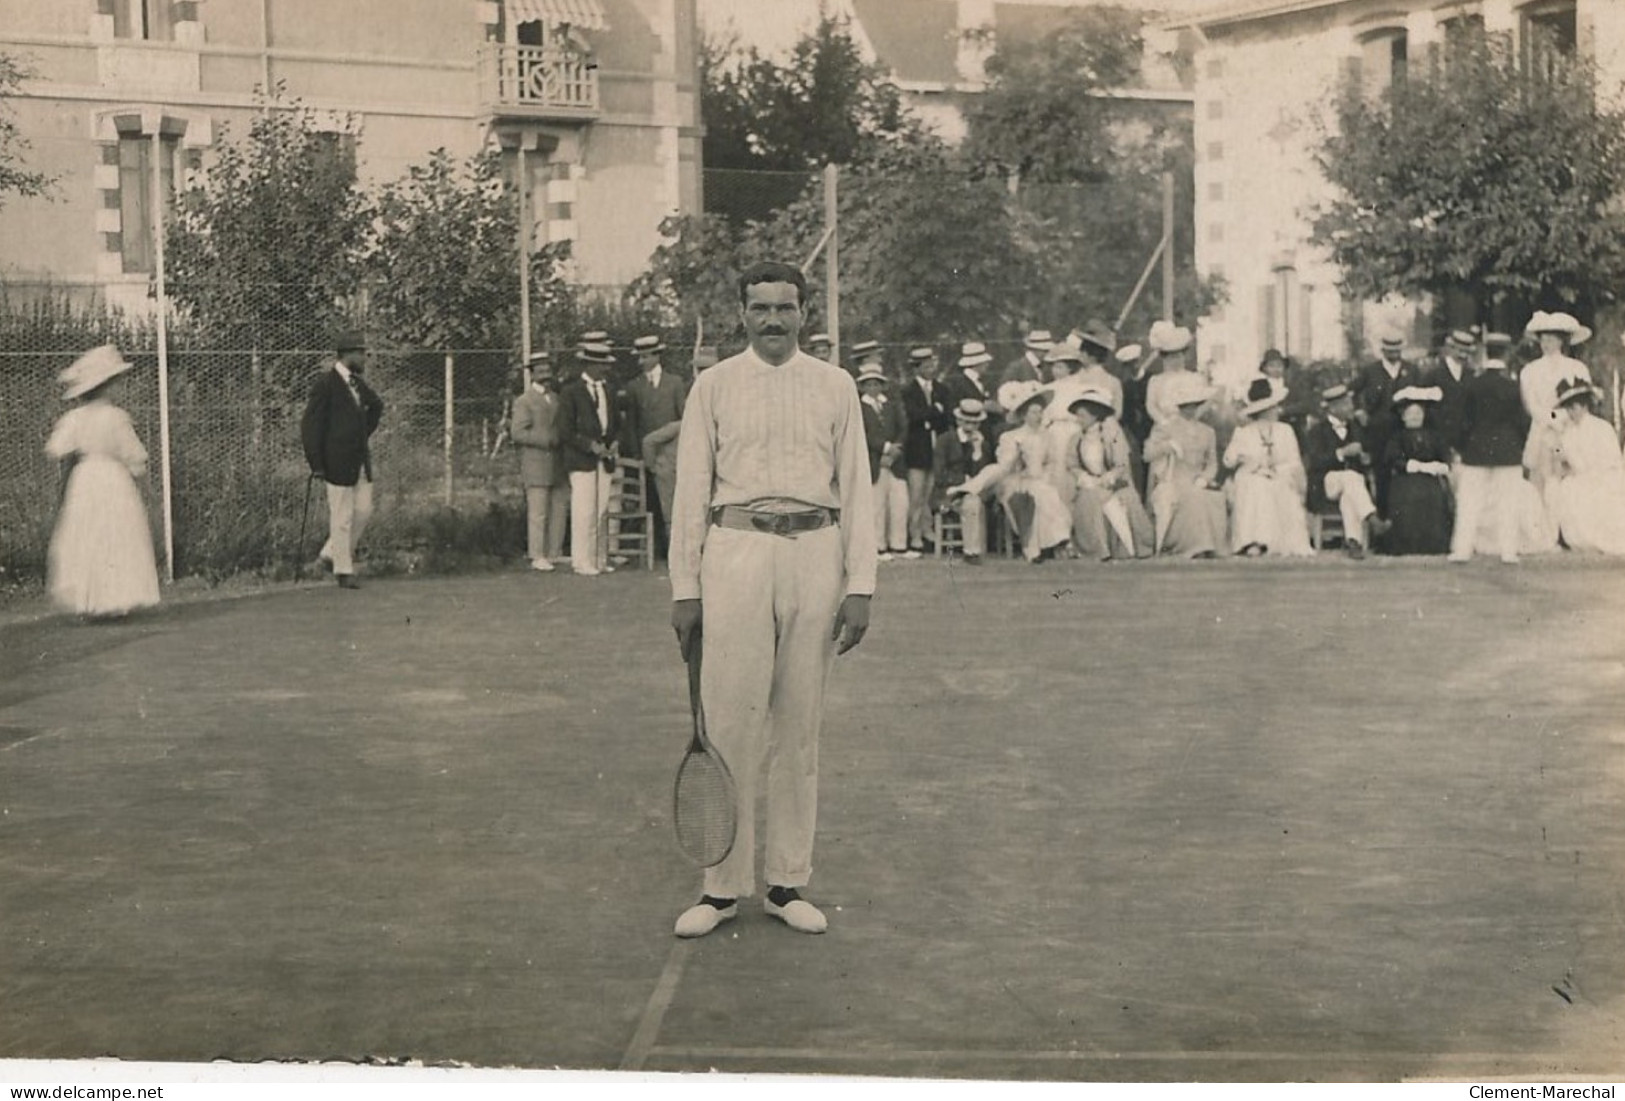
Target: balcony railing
{"type": "Point", "coordinates": [538, 82]}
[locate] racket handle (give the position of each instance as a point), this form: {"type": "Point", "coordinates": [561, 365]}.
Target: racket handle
{"type": "Point", "coordinates": [695, 652]}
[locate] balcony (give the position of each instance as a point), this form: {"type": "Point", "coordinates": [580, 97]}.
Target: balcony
{"type": "Point", "coordinates": [538, 82]}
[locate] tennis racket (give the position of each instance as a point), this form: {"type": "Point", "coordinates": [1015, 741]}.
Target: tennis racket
{"type": "Point", "coordinates": [703, 805]}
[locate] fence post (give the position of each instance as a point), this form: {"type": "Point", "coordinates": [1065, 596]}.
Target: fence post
{"type": "Point", "coordinates": [832, 263]}
{"type": "Point", "coordinates": [524, 265]}
{"type": "Point", "coordinates": [163, 352]}
{"type": "Point", "coordinates": [1168, 246]}
{"type": "Point", "coordinates": [451, 420]}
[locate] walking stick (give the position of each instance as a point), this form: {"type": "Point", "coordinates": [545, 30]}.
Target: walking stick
{"type": "Point", "coordinates": [304, 521]}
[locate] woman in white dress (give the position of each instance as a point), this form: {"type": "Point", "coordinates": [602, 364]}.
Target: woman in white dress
{"type": "Point", "coordinates": [101, 561]}
{"type": "Point", "coordinates": [1270, 482]}
{"type": "Point", "coordinates": [1030, 468]}
{"type": "Point", "coordinates": [1587, 493]}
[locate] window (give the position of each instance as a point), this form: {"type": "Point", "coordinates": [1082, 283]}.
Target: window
{"type": "Point", "coordinates": [135, 195]}
{"type": "Point", "coordinates": [1384, 55]}
{"type": "Point", "coordinates": [153, 20]}
{"type": "Point", "coordinates": [1549, 30]}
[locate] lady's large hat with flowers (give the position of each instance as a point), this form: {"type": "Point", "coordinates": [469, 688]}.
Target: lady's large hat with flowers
{"type": "Point", "coordinates": [91, 370]}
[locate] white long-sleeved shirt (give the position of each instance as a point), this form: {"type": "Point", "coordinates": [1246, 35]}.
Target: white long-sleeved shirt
{"type": "Point", "coordinates": [756, 434]}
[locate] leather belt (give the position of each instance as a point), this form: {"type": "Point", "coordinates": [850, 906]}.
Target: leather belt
{"type": "Point", "coordinates": [774, 523]}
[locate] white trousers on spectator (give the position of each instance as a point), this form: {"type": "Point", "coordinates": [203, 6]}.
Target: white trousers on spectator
{"type": "Point", "coordinates": [1492, 489]}
{"type": "Point", "coordinates": [546, 510]}
{"type": "Point", "coordinates": [348, 510]}
{"type": "Point", "coordinates": [769, 606]}
{"type": "Point", "coordinates": [972, 509]}
{"type": "Point", "coordinates": [589, 518]}
{"type": "Point", "coordinates": [1354, 504]}
{"type": "Point", "coordinates": [920, 483]}
{"type": "Point", "coordinates": [891, 511]}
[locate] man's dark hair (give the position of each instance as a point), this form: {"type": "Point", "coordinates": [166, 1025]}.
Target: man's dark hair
{"type": "Point", "coordinates": [771, 271]}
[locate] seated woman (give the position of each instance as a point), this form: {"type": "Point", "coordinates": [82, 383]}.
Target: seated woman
{"type": "Point", "coordinates": [1270, 482]}
{"type": "Point", "coordinates": [1182, 464]}
{"type": "Point", "coordinates": [1029, 470]}
{"type": "Point", "coordinates": [1108, 519]}
{"type": "Point", "coordinates": [1586, 495]}
{"type": "Point", "coordinates": [1418, 479]}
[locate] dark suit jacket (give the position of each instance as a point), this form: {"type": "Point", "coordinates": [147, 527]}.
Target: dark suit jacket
{"type": "Point", "coordinates": [335, 428]}
{"type": "Point", "coordinates": [1320, 457]}
{"type": "Point", "coordinates": [882, 428]}
{"type": "Point", "coordinates": [1495, 421]}
{"type": "Point", "coordinates": [651, 407]}
{"type": "Point", "coordinates": [925, 420]}
{"type": "Point", "coordinates": [578, 426]}
{"type": "Point", "coordinates": [1449, 417]}
{"type": "Point", "coordinates": [1023, 370]}
{"type": "Point", "coordinates": [954, 465]}
{"type": "Point", "coordinates": [960, 386]}
{"type": "Point", "coordinates": [1374, 393]}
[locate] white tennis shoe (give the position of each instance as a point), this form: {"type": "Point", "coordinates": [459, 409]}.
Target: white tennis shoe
{"type": "Point", "coordinates": [798, 914]}
{"type": "Point", "coordinates": [702, 917]}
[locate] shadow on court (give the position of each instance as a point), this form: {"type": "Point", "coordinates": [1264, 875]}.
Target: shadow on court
{"type": "Point", "coordinates": [1234, 821]}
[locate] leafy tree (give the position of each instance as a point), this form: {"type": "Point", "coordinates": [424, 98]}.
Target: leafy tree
{"type": "Point", "coordinates": [446, 254]}
{"type": "Point", "coordinates": [825, 105]}
{"type": "Point", "coordinates": [13, 177]}
{"type": "Point", "coordinates": [1042, 117]}
{"type": "Point", "coordinates": [265, 248]}
{"type": "Point", "coordinates": [1479, 174]}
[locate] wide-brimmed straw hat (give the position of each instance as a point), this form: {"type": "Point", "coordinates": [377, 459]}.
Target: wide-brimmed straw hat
{"type": "Point", "coordinates": [1167, 338]}
{"type": "Point", "coordinates": [1571, 390]}
{"type": "Point", "coordinates": [1096, 333]}
{"type": "Point", "coordinates": [1188, 388]}
{"type": "Point", "coordinates": [91, 370]}
{"type": "Point", "coordinates": [1063, 353]}
{"type": "Point", "coordinates": [1261, 396]}
{"type": "Point", "coordinates": [970, 411]}
{"type": "Point", "coordinates": [1563, 324]}
{"type": "Point", "coordinates": [1017, 394]}
{"type": "Point", "coordinates": [973, 353]}
{"type": "Point", "coordinates": [1092, 396]}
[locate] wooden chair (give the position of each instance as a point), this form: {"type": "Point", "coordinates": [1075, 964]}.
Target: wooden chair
{"type": "Point", "coordinates": [631, 524]}
{"type": "Point", "coordinates": [1325, 525]}
{"type": "Point", "coordinates": [947, 531]}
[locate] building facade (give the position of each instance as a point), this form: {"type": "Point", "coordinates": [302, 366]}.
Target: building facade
{"type": "Point", "coordinates": [1267, 72]}
{"type": "Point", "coordinates": [127, 97]}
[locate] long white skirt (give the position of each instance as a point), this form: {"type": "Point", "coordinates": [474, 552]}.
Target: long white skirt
{"type": "Point", "coordinates": [101, 560]}
{"type": "Point", "coordinates": [1269, 513]}
{"type": "Point", "coordinates": [1590, 511]}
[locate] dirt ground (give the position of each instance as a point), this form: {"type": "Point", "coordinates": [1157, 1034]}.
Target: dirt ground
{"type": "Point", "coordinates": [1206, 821]}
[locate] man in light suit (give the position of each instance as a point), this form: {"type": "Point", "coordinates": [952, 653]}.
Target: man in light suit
{"type": "Point", "coordinates": [654, 399]}
{"type": "Point", "coordinates": [588, 427]}
{"type": "Point", "coordinates": [340, 417]}
{"type": "Point", "coordinates": [536, 434]}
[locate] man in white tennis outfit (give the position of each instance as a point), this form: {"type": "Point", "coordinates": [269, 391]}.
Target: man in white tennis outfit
{"type": "Point", "coordinates": [773, 559]}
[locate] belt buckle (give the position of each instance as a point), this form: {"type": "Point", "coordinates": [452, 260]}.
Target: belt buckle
{"type": "Point", "coordinates": [778, 523]}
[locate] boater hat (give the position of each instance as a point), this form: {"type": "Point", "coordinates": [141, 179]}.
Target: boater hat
{"type": "Point", "coordinates": [1332, 393]}
{"type": "Point", "coordinates": [974, 354]}
{"type": "Point", "coordinates": [1462, 340]}
{"type": "Point", "coordinates": [820, 338]}
{"type": "Point", "coordinates": [597, 336]}
{"type": "Point", "coordinates": [91, 370]}
{"type": "Point", "coordinates": [1128, 353]}
{"type": "Point", "coordinates": [922, 353]}
{"type": "Point", "coordinates": [1168, 338]}
{"type": "Point", "coordinates": [539, 360]}
{"type": "Point", "coordinates": [1039, 340]}
{"type": "Point", "coordinates": [1409, 395]}
{"type": "Point", "coordinates": [871, 372]}
{"type": "Point", "coordinates": [645, 345]}
{"type": "Point", "coordinates": [595, 353]}
{"type": "Point", "coordinates": [1063, 353]}
{"type": "Point", "coordinates": [970, 411]}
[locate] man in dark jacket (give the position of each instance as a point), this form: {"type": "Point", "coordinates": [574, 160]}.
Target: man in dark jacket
{"type": "Point", "coordinates": [340, 417]}
{"type": "Point", "coordinates": [1374, 389]}
{"type": "Point", "coordinates": [588, 424]}
{"type": "Point", "coordinates": [1336, 461]}
{"type": "Point", "coordinates": [654, 399]}
{"type": "Point", "coordinates": [1495, 425]}
{"type": "Point", "coordinates": [926, 408]}
{"type": "Point", "coordinates": [1450, 372]}
{"type": "Point", "coordinates": [962, 455]}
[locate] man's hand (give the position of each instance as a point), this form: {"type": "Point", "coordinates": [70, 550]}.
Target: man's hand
{"type": "Point", "coordinates": [686, 620]}
{"type": "Point", "coordinates": [851, 622]}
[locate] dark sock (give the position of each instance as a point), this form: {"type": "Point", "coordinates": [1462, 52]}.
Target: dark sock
{"type": "Point", "coordinates": [782, 896]}
{"type": "Point", "coordinates": [716, 903]}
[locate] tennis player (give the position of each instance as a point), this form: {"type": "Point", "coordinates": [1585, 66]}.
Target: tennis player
{"type": "Point", "coordinates": [773, 558]}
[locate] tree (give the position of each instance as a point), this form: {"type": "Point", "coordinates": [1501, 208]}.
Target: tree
{"type": "Point", "coordinates": [1042, 117]}
{"type": "Point", "coordinates": [14, 178]}
{"type": "Point", "coordinates": [446, 255]}
{"type": "Point", "coordinates": [826, 105]}
{"type": "Point", "coordinates": [1480, 174]}
{"type": "Point", "coordinates": [265, 249]}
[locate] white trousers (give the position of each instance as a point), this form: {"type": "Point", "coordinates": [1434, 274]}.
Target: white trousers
{"type": "Point", "coordinates": [348, 510]}
{"type": "Point", "coordinates": [1491, 489]}
{"type": "Point", "coordinates": [589, 518]}
{"type": "Point", "coordinates": [546, 510]}
{"type": "Point", "coordinates": [1354, 503]}
{"type": "Point", "coordinates": [769, 605]}
{"type": "Point", "coordinates": [891, 511]}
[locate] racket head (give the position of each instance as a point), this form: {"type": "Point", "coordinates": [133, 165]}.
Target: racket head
{"type": "Point", "coordinates": [704, 807]}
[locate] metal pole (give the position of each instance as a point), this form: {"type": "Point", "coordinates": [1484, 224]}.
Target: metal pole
{"type": "Point", "coordinates": [163, 350]}
{"type": "Point", "coordinates": [832, 263]}
{"type": "Point", "coordinates": [451, 419]}
{"type": "Point", "coordinates": [524, 267]}
{"type": "Point", "coordinates": [1168, 246]}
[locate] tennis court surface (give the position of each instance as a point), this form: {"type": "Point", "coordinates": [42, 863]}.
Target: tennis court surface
{"type": "Point", "coordinates": [1227, 821]}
